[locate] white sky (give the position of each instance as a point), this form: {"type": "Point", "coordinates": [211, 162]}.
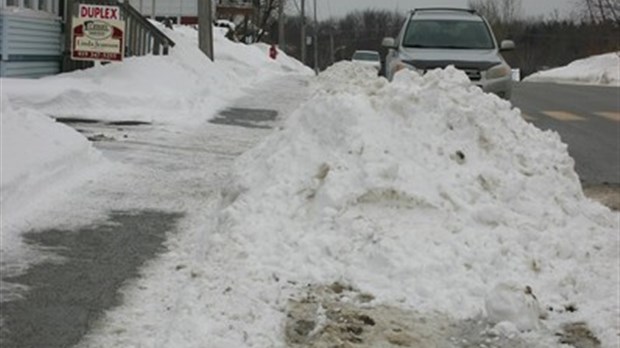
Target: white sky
{"type": "Point", "coordinates": [338, 8]}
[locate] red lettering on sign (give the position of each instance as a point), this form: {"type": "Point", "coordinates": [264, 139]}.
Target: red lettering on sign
{"type": "Point", "coordinates": [99, 12]}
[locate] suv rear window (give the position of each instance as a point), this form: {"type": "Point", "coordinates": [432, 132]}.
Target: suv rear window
{"type": "Point", "coordinates": [454, 34]}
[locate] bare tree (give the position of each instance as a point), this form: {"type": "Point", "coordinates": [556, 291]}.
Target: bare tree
{"type": "Point", "coordinates": [505, 16]}
{"type": "Point", "coordinates": [590, 6]}
{"type": "Point", "coordinates": [512, 10]}
{"type": "Point", "coordinates": [488, 8]}
{"type": "Point", "coordinates": [502, 11]}
{"type": "Point", "coordinates": [601, 11]}
{"type": "Point", "coordinates": [614, 9]}
{"type": "Point", "coordinates": [266, 15]}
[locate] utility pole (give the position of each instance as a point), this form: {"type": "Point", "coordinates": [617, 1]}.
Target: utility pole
{"type": "Point", "coordinates": [205, 27]}
{"type": "Point", "coordinates": [69, 12]}
{"type": "Point", "coordinates": [303, 31]}
{"type": "Point", "coordinates": [153, 10]}
{"type": "Point", "coordinates": [281, 37]}
{"type": "Point", "coordinates": [316, 42]}
{"type": "Point", "coordinates": [331, 47]}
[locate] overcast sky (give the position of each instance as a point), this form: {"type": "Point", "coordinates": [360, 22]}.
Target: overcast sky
{"type": "Point", "coordinates": [338, 8]}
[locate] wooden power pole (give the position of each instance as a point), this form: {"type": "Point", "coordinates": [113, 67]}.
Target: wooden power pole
{"type": "Point", "coordinates": [281, 37]}
{"type": "Point", "coordinates": [303, 31]}
{"type": "Point", "coordinates": [331, 47]}
{"type": "Point", "coordinates": [205, 27]}
{"type": "Point", "coordinates": [68, 14]}
{"type": "Point", "coordinates": [316, 42]}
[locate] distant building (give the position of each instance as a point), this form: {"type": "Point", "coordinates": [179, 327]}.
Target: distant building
{"type": "Point", "coordinates": [186, 11]}
{"type": "Point", "coordinates": [234, 10]}
{"type": "Point", "coordinates": [178, 11]}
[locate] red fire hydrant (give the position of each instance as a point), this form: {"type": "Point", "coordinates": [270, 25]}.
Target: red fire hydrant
{"type": "Point", "coordinates": [273, 52]}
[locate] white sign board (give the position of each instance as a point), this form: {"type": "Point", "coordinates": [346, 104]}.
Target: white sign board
{"type": "Point", "coordinates": [98, 34]}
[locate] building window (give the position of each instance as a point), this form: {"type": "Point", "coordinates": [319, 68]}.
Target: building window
{"type": "Point", "coordinates": [11, 2]}
{"type": "Point", "coordinates": [28, 3]}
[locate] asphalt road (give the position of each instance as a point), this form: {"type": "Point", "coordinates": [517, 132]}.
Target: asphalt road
{"type": "Point", "coordinates": [586, 117]}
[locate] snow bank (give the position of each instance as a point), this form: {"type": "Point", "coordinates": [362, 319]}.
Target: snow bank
{"type": "Point", "coordinates": [183, 87]}
{"type": "Point", "coordinates": [425, 192]}
{"type": "Point", "coordinates": [597, 70]}
{"type": "Point", "coordinates": [37, 156]}
{"type": "Point", "coordinates": [35, 150]}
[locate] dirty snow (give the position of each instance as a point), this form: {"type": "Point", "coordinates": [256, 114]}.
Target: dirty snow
{"type": "Point", "coordinates": [426, 193]}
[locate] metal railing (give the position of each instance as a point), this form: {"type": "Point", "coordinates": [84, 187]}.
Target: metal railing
{"type": "Point", "coordinates": [141, 36]}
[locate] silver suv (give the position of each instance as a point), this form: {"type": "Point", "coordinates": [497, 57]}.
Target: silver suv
{"type": "Point", "coordinates": [437, 37]}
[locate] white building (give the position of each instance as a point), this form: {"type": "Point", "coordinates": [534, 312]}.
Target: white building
{"type": "Point", "coordinates": [31, 40]}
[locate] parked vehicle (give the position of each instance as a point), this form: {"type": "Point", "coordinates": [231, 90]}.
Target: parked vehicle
{"type": "Point", "coordinates": [369, 58]}
{"type": "Point", "coordinates": [438, 37]}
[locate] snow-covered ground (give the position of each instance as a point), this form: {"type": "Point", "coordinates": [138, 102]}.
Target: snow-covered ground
{"type": "Point", "coordinates": [42, 158]}
{"type": "Point", "coordinates": [596, 70]}
{"type": "Point", "coordinates": [425, 194]}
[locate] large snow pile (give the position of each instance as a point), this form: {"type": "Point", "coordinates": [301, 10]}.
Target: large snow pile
{"type": "Point", "coordinates": [184, 86]}
{"type": "Point", "coordinates": [598, 70]}
{"type": "Point", "coordinates": [426, 193]}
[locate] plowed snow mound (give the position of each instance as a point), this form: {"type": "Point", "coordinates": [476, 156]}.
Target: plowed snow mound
{"type": "Point", "coordinates": [425, 192]}
{"type": "Point", "coordinates": [598, 70]}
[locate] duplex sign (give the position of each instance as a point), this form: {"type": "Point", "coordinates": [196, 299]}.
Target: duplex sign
{"type": "Point", "coordinates": [97, 34]}
{"type": "Point", "coordinates": [99, 12]}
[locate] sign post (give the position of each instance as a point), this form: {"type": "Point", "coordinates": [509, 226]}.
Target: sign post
{"type": "Point", "coordinates": [98, 34]}
{"type": "Point", "coordinates": [205, 27]}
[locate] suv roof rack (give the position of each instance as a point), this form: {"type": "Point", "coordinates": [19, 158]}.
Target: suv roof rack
{"type": "Point", "coordinates": [468, 10]}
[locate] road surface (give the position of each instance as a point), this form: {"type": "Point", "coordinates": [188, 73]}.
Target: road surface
{"type": "Point", "coordinates": [586, 117]}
